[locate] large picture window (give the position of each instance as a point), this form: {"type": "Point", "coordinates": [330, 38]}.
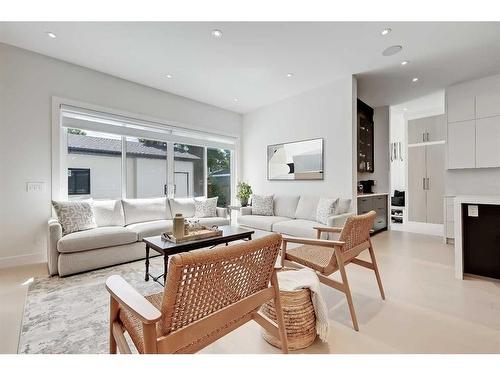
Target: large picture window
{"type": "Point", "coordinates": [146, 167]}
{"type": "Point", "coordinates": [219, 175]}
{"type": "Point", "coordinates": [189, 171]}
{"type": "Point", "coordinates": [113, 158]}
{"type": "Point", "coordinates": [100, 155]}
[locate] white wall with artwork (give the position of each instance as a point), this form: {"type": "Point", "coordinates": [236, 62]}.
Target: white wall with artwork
{"type": "Point", "coordinates": [301, 160]}
{"type": "Point", "coordinates": [323, 113]}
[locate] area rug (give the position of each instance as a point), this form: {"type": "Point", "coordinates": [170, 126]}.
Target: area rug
{"type": "Point", "coordinates": [70, 314]}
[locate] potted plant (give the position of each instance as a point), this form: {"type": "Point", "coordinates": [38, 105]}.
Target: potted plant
{"type": "Point", "coordinates": [244, 191]}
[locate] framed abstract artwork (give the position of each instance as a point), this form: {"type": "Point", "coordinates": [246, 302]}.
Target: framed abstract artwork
{"type": "Point", "coordinates": [301, 160]}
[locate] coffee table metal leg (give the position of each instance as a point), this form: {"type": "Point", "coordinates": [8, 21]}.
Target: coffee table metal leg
{"type": "Point", "coordinates": [146, 277]}
{"type": "Point", "coordinates": [165, 267]}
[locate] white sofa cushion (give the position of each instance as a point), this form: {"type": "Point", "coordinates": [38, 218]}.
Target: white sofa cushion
{"type": "Point", "coordinates": [205, 207]}
{"type": "Point", "coordinates": [74, 216]}
{"type": "Point", "coordinates": [299, 228]}
{"type": "Point", "coordinates": [326, 208]}
{"type": "Point", "coordinates": [263, 222]}
{"type": "Point", "coordinates": [108, 213]}
{"type": "Point", "coordinates": [184, 206]}
{"type": "Point", "coordinates": [95, 239]}
{"type": "Point", "coordinates": [150, 228]}
{"type": "Point", "coordinates": [306, 208]}
{"type": "Point", "coordinates": [286, 205]}
{"type": "Point", "coordinates": [145, 209]}
{"type": "Point", "coordinates": [262, 205]}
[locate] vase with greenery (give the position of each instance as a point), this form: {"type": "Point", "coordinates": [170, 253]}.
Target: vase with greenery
{"type": "Point", "coordinates": [244, 191]}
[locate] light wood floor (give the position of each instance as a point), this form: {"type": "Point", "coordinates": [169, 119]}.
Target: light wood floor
{"type": "Point", "coordinates": [426, 311]}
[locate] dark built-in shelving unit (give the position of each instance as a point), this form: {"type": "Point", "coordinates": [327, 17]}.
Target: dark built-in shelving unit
{"type": "Point", "coordinates": [365, 138]}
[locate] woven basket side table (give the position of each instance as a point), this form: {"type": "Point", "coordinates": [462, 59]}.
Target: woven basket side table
{"type": "Point", "coordinates": [300, 320]}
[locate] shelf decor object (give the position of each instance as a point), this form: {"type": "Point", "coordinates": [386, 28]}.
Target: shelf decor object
{"type": "Point", "coordinates": [200, 233]}
{"type": "Point", "coordinates": [301, 160]}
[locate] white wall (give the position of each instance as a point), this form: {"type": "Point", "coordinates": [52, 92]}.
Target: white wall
{"type": "Point", "coordinates": [325, 112]}
{"type": "Point", "coordinates": [381, 151]}
{"type": "Point", "coordinates": [27, 83]}
{"type": "Point", "coordinates": [482, 181]}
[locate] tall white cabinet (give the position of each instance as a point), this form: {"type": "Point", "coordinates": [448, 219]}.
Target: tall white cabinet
{"type": "Point", "coordinates": [473, 131]}
{"type": "Point", "coordinates": [426, 165]}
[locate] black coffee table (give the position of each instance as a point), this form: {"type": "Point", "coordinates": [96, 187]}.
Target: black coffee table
{"type": "Point", "coordinates": [167, 248]}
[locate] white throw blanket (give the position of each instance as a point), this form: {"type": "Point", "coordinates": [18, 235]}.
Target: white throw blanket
{"type": "Point", "coordinates": [307, 279]}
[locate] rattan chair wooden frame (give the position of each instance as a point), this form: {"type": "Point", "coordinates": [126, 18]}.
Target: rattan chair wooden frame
{"type": "Point", "coordinates": [208, 293]}
{"type": "Point", "coordinates": [328, 256]}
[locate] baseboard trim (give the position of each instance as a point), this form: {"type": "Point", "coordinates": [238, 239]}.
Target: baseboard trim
{"type": "Point", "coordinates": [22, 260]}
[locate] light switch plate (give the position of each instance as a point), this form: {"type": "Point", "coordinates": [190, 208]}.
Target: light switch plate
{"type": "Point", "coordinates": [473, 210]}
{"type": "Point", "coordinates": [35, 187]}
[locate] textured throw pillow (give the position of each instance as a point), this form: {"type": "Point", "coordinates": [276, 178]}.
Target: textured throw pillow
{"type": "Point", "coordinates": [205, 207]}
{"type": "Point", "coordinates": [326, 208]}
{"type": "Point", "coordinates": [342, 206]}
{"type": "Point", "coordinates": [262, 205]}
{"type": "Point", "coordinates": [74, 216]}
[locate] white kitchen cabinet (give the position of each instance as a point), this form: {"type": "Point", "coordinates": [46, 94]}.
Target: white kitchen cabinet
{"type": "Point", "coordinates": [437, 128]}
{"type": "Point", "coordinates": [460, 107]}
{"type": "Point", "coordinates": [488, 142]}
{"type": "Point", "coordinates": [427, 129]}
{"type": "Point", "coordinates": [487, 105]}
{"type": "Point", "coordinates": [435, 182]}
{"type": "Point", "coordinates": [426, 183]}
{"type": "Point", "coordinates": [417, 130]}
{"type": "Point", "coordinates": [417, 195]}
{"type": "Point", "coordinates": [462, 144]}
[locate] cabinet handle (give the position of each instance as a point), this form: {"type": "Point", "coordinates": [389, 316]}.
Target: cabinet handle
{"type": "Point", "coordinates": [423, 183]}
{"type": "Point", "coordinates": [428, 183]}
{"type": "Point", "coordinates": [427, 137]}
{"type": "Point", "coordinates": [423, 137]}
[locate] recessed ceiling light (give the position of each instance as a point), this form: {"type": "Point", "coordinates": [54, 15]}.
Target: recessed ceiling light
{"type": "Point", "coordinates": [405, 109]}
{"type": "Point", "coordinates": [386, 31]}
{"type": "Point", "coordinates": [216, 33]}
{"type": "Point", "coordinates": [406, 62]}
{"type": "Point", "coordinates": [289, 75]}
{"type": "Point", "coordinates": [392, 50]}
{"type": "Point", "coordinates": [415, 79]}
{"type": "Point", "coordinates": [169, 76]}
{"type": "Point", "coordinates": [235, 99]}
{"type": "Point", "coordinates": [51, 34]}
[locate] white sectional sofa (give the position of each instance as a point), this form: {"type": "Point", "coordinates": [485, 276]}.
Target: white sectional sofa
{"type": "Point", "coordinates": [121, 226]}
{"type": "Point", "coordinates": [295, 215]}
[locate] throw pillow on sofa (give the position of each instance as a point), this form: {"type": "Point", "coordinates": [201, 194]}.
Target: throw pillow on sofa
{"type": "Point", "coordinates": [74, 216]}
{"type": "Point", "coordinates": [326, 208]}
{"type": "Point", "coordinates": [205, 207]}
{"type": "Point", "coordinates": [262, 205]}
{"type": "Point", "coordinates": [342, 206]}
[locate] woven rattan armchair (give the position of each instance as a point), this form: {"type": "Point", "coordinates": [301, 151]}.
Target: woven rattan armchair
{"type": "Point", "coordinates": [327, 256]}
{"type": "Point", "coordinates": [208, 293]}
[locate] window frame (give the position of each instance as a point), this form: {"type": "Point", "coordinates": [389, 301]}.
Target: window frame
{"type": "Point", "coordinates": [160, 130]}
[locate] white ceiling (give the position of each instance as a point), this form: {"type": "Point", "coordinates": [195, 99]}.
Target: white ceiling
{"type": "Point", "coordinates": [251, 60]}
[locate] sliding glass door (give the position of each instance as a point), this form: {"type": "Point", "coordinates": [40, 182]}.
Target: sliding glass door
{"type": "Point", "coordinates": [93, 165]}
{"type": "Point", "coordinates": [113, 158]}
{"type": "Point", "coordinates": [219, 175]}
{"type": "Point", "coordinates": [146, 168]}
{"type": "Point", "coordinates": [189, 171]}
